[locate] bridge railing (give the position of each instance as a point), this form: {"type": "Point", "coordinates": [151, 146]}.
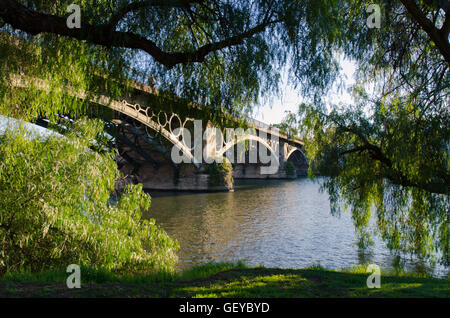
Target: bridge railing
{"type": "Point", "coordinates": [258, 123]}
{"type": "Point", "coordinates": [139, 75]}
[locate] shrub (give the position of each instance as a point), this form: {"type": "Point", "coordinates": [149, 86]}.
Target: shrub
{"type": "Point", "coordinates": [289, 168]}
{"type": "Point", "coordinates": [220, 173]}
{"type": "Point", "coordinates": [56, 209]}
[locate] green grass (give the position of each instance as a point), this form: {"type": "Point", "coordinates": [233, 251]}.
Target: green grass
{"type": "Point", "coordinates": [100, 275]}
{"type": "Point", "coordinates": [223, 280]}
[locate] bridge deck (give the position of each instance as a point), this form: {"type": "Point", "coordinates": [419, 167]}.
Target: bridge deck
{"type": "Point", "coordinates": [147, 89]}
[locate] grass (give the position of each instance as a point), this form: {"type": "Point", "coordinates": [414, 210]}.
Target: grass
{"type": "Point", "coordinates": [216, 280]}
{"type": "Point", "coordinates": [100, 275]}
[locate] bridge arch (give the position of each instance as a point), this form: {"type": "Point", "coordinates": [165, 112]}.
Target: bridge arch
{"type": "Point", "coordinates": [297, 157]}
{"type": "Point", "coordinates": [273, 152]}
{"type": "Point", "coordinates": [136, 112]}
{"type": "Point", "coordinates": [292, 151]}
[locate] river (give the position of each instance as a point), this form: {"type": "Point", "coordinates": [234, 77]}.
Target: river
{"type": "Point", "coordinates": [274, 223]}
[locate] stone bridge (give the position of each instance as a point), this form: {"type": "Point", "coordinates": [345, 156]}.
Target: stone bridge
{"type": "Point", "coordinates": [148, 138]}
{"type": "Point", "coordinates": [165, 150]}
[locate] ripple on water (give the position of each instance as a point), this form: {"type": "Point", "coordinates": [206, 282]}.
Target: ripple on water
{"type": "Point", "coordinates": [273, 223]}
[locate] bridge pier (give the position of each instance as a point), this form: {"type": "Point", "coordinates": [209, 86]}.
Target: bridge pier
{"type": "Point", "coordinates": [147, 160]}
{"type": "Point", "coordinates": [164, 175]}
{"type": "Point", "coordinates": [185, 178]}
{"type": "Point", "coordinates": [146, 138]}
{"type": "Point", "coordinates": [253, 171]}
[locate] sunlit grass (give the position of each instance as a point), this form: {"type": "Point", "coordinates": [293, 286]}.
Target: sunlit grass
{"type": "Point", "coordinates": [248, 286]}
{"type": "Point", "coordinates": [100, 275]}
{"type": "Point", "coordinates": [216, 280]}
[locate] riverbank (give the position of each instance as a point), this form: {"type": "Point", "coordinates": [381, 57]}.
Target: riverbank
{"type": "Point", "coordinates": [223, 280]}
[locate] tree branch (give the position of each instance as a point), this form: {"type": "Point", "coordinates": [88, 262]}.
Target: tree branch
{"type": "Point", "coordinates": [393, 174]}
{"type": "Point", "coordinates": [121, 13]}
{"type": "Point", "coordinates": [20, 17]}
{"type": "Point", "coordinates": [353, 150]}
{"type": "Point", "coordinates": [437, 36]}
{"type": "Point", "coordinates": [445, 29]}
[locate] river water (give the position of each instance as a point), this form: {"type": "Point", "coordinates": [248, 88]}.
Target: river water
{"type": "Point", "coordinates": [274, 223]}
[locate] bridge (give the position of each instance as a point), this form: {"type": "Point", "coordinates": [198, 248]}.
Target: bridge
{"type": "Point", "coordinates": [158, 146]}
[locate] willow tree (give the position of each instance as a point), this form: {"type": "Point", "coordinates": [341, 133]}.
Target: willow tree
{"type": "Point", "coordinates": [57, 208]}
{"type": "Point", "coordinates": [389, 152]}
{"type": "Point", "coordinates": [222, 54]}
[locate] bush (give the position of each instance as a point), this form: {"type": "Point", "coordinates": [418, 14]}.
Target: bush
{"type": "Point", "coordinates": [56, 209]}
{"type": "Point", "coordinates": [220, 173]}
{"type": "Point", "coordinates": [289, 168]}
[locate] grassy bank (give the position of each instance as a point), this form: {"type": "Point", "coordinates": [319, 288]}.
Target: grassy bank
{"type": "Point", "coordinates": [223, 280]}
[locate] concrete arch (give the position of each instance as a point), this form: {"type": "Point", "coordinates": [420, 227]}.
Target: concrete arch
{"type": "Point", "coordinates": [136, 114]}
{"type": "Point", "coordinates": [292, 151]}
{"type": "Point", "coordinates": [250, 137]}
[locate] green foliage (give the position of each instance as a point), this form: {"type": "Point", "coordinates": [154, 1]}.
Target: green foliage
{"type": "Point", "coordinates": [289, 125]}
{"type": "Point", "coordinates": [399, 174]}
{"type": "Point", "coordinates": [220, 173]}
{"type": "Point", "coordinates": [41, 75]}
{"type": "Point", "coordinates": [387, 155]}
{"type": "Point", "coordinates": [290, 168]}
{"type": "Point", "coordinates": [301, 34]}
{"type": "Point", "coordinates": [57, 209]}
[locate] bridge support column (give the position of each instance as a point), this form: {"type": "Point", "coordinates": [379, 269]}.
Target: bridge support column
{"type": "Point", "coordinates": [167, 176]}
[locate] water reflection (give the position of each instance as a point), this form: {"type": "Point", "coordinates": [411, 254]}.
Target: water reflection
{"type": "Point", "coordinates": [284, 224]}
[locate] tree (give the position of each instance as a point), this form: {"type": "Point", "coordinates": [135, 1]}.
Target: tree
{"type": "Point", "coordinates": [390, 151]}
{"type": "Point", "coordinates": [57, 208]}
{"type": "Point", "coordinates": [288, 125]}
{"type": "Point", "coordinates": [222, 54]}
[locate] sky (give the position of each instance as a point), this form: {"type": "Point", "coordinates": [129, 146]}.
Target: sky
{"type": "Point", "coordinates": [32, 130]}
{"type": "Point", "coordinates": [274, 111]}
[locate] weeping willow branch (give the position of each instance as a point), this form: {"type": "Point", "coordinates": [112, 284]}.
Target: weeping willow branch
{"type": "Point", "coordinates": [438, 36]}
{"type": "Point", "coordinates": [20, 17]}
{"type": "Point", "coordinates": [439, 186]}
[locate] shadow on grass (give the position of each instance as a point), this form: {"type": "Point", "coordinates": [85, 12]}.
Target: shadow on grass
{"type": "Point", "coordinates": [222, 280]}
